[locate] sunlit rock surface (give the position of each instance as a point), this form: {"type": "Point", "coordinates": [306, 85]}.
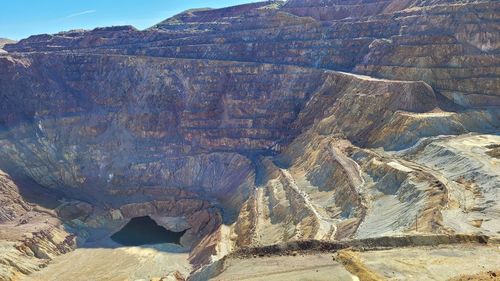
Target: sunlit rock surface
{"type": "Point", "coordinates": [3, 42]}
{"type": "Point", "coordinates": [250, 126]}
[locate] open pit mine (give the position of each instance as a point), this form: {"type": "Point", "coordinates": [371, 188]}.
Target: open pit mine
{"type": "Point", "coordinates": [297, 140]}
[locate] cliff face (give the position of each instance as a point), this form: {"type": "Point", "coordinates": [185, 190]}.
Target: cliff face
{"type": "Point", "coordinates": [452, 46]}
{"type": "Point", "coordinates": [148, 115]}
{"type": "Point", "coordinates": [238, 123]}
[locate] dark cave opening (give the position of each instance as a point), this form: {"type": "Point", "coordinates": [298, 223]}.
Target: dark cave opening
{"type": "Point", "coordinates": [145, 231]}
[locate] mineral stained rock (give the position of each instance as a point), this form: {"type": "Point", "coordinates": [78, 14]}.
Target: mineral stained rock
{"type": "Point", "coordinates": [254, 125]}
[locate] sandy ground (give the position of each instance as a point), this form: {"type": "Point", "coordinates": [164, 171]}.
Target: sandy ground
{"type": "Point", "coordinates": [115, 264]}
{"type": "Point", "coordinates": [420, 263]}
{"type": "Point", "coordinates": [287, 268]}
{"type": "Point", "coordinates": [432, 263]}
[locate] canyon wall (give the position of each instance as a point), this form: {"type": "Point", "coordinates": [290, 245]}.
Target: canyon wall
{"type": "Point", "coordinates": [256, 124]}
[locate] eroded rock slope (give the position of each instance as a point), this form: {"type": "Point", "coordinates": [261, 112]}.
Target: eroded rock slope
{"type": "Point", "coordinates": [255, 124]}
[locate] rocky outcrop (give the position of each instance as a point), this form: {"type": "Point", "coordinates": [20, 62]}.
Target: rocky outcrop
{"type": "Point", "coordinates": [3, 42]}
{"type": "Point", "coordinates": [13, 205]}
{"type": "Point", "coordinates": [30, 234]}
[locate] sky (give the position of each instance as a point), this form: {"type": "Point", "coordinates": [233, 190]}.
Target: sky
{"type": "Point", "coordinates": [21, 18]}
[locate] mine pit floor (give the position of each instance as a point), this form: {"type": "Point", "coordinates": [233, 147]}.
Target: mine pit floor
{"type": "Point", "coordinates": [115, 263]}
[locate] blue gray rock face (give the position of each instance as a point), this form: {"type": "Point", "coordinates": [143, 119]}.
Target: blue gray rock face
{"type": "Point", "coordinates": [114, 122]}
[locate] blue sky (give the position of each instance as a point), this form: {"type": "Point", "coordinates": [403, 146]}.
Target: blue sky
{"type": "Point", "coordinates": [22, 18]}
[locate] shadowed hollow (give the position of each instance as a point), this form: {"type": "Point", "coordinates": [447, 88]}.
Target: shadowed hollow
{"type": "Point", "coordinates": [144, 231]}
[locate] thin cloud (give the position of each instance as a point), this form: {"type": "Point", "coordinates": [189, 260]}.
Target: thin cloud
{"type": "Point", "coordinates": [80, 14]}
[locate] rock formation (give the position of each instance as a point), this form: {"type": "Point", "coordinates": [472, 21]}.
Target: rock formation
{"type": "Point", "coordinates": [254, 125]}
{"type": "Point", "coordinates": [3, 42]}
